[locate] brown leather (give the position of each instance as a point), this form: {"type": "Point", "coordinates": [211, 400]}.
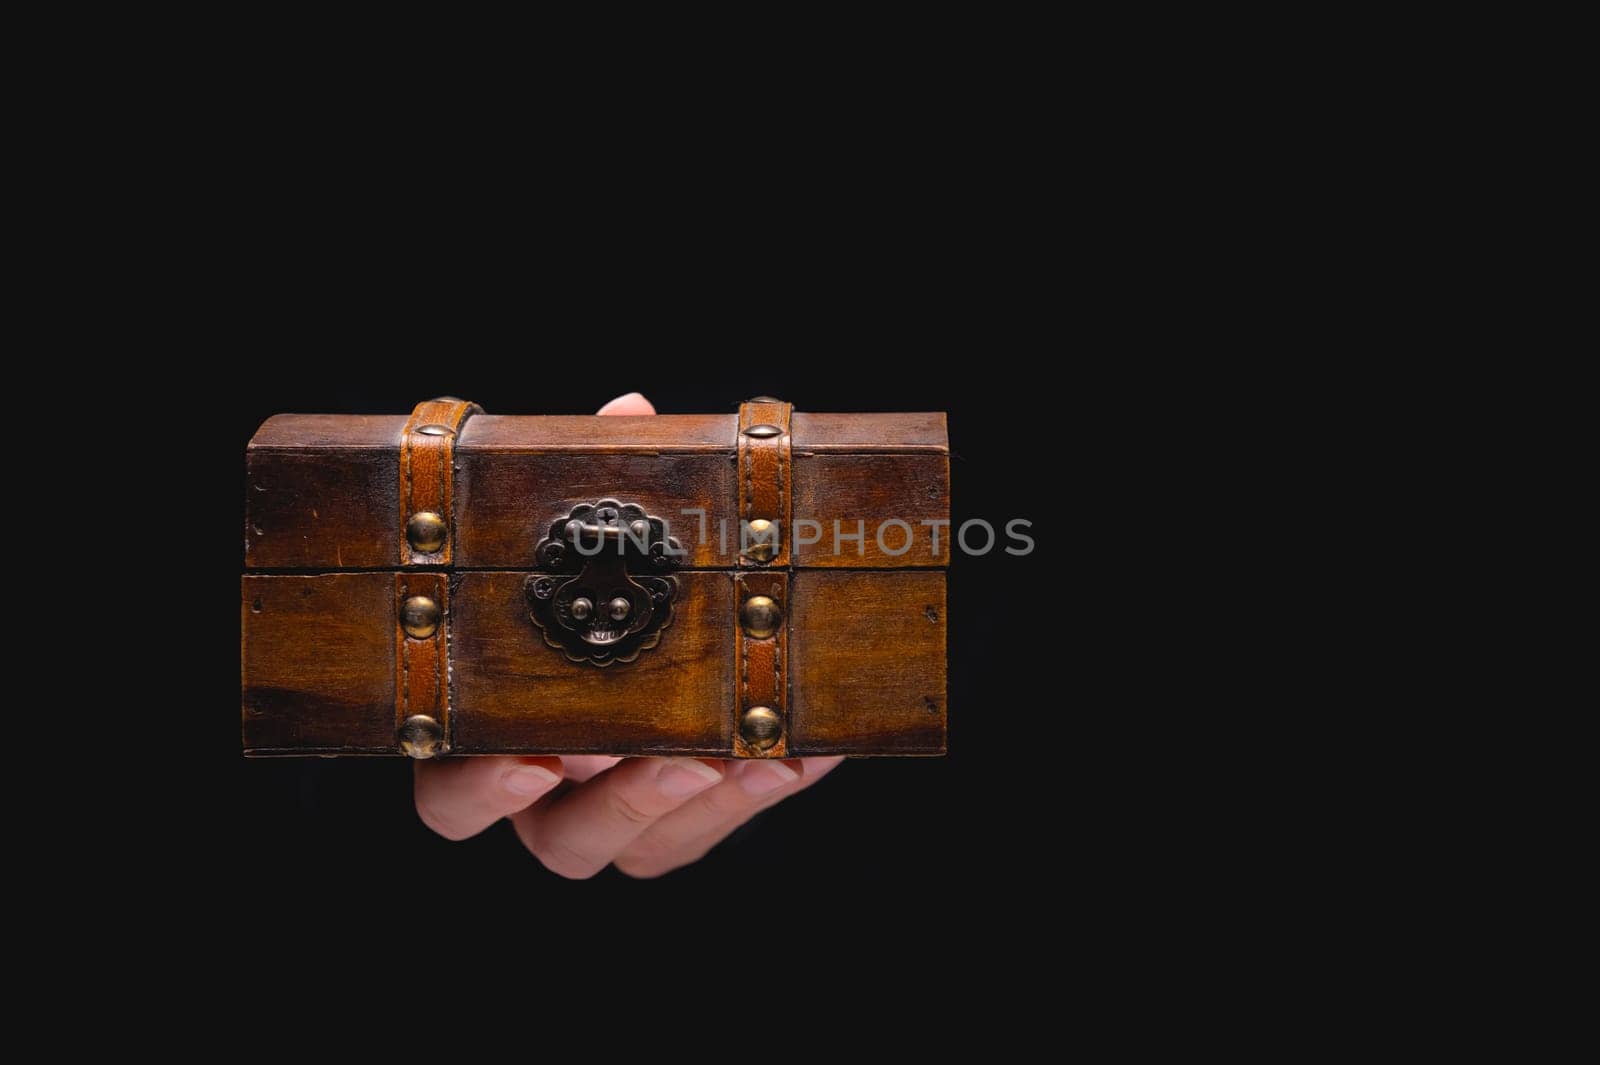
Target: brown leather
{"type": "Point", "coordinates": [763, 664]}
{"type": "Point", "coordinates": [765, 468]}
{"type": "Point", "coordinates": [421, 666]}
{"type": "Point", "coordinates": [425, 478]}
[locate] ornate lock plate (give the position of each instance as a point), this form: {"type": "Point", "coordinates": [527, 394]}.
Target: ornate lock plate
{"type": "Point", "coordinates": [600, 602]}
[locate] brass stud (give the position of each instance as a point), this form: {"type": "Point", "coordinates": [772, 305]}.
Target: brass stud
{"type": "Point", "coordinates": [446, 399]}
{"type": "Point", "coordinates": [760, 617]}
{"type": "Point", "coordinates": [760, 728]}
{"type": "Point", "coordinates": [761, 547]}
{"type": "Point", "coordinates": [763, 431]}
{"type": "Point", "coordinates": [435, 429]}
{"type": "Point", "coordinates": [764, 399]}
{"type": "Point", "coordinates": [419, 617]}
{"type": "Point", "coordinates": [421, 736]}
{"type": "Point", "coordinates": [425, 532]}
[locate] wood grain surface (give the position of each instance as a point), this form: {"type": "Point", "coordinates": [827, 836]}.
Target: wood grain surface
{"type": "Point", "coordinates": [849, 494]}
{"type": "Point", "coordinates": [514, 693]}
{"type": "Point", "coordinates": [321, 508]}
{"type": "Point", "coordinates": [317, 669]}
{"type": "Point", "coordinates": [868, 663]}
{"type": "Point", "coordinates": [506, 501]}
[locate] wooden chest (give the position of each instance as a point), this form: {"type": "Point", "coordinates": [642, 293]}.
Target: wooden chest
{"type": "Point", "coordinates": [769, 583]}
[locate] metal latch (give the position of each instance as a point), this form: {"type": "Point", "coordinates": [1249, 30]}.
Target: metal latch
{"type": "Point", "coordinates": [603, 604]}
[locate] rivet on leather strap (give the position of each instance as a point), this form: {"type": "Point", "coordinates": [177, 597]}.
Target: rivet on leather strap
{"type": "Point", "coordinates": [427, 448]}
{"type": "Point", "coordinates": [761, 729]}
{"type": "Point", "coordinates": [765, 499]}
{"type": "Point", "coordinates": [421, 663]}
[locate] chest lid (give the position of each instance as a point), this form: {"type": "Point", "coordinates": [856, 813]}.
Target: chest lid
{"type": "Point", "coordinates": [843, 490]}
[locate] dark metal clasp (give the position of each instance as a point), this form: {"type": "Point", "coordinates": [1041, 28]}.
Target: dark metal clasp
{"type": "Point", "coordinates": [600, 604]}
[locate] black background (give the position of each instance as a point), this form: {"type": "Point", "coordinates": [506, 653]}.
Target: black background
{"type": "Point", "coordinates": [316, 835]}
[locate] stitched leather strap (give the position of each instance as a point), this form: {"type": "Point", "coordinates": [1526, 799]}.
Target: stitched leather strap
{"type": "Point", "coordinates": [763, 662]}
{"type": "Point", "coordinates": [426, 451]}
{"type": "Point", "coordinates": [421, 666]}
{"type": "Point", "coordinates": [764, 471]}
{"type": "Point", "coordinates": [765, 497]}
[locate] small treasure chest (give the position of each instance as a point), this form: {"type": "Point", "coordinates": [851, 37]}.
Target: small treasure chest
{"type": "Point", "coordinates": [766, 584]}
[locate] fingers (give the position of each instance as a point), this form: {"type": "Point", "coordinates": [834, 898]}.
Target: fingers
{"type": "Point", "coordinates": [580, 833]}
{"type": "Point", "coordinates": [460, 797]}
{"type": "Point", "coordinates": [632, 403]}
{"type": "Point", "coordinates": [686, 835]}
{"type": "Point", "coordinates": [580, 767]}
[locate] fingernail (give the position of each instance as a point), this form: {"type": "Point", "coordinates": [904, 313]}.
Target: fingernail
{"type": "Point", "coordinates": [760, 778]}
{"type": "Point", "coordinates": [529, 780]}
{"type": "Point", "coordinates": [685, 776]}
{"type": "Point", "coordinates": [621, 399]}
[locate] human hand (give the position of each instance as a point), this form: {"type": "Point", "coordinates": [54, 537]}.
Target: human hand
{"type": "Point", "coordinates": [646, 816]}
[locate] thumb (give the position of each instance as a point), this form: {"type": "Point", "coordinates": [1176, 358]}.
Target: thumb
{"type": "Point", "coordinates": [632, 403]}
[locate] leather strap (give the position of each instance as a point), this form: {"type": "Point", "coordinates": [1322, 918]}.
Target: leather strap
{"type": "Point", "coordinates": [763, 664]}
{"type": "Point", "coordinates": [764, 495]}
{"type": "Point", "coordinates": [421, 666]}
{"type": "Point", "coordinates": [426, 451]}
{"type": "Point", "coordinates": [764, 472]}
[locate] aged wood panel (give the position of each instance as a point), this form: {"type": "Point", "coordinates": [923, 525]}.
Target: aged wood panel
{"type": "Point", "coordinates": [506, 501]}
{"type": "Point", "coordinates": [864, 493]}
{"type": "Point", "coordinates": [331, 430]}
{"type": "Point", "coordinates": [867, 662]}
{"type": "Point", "coordinates": [655, 432]}
{"type": "Point", "coordinates": [701, 432]}
{"type": "Point", "coordinates": [513, 693]}
{"type": "Point", "coordinates": [322, 508]}
{"type": "Point", "coordinates": [317, 670]}
{"type": "Point", "coordinates": [869, 432]}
